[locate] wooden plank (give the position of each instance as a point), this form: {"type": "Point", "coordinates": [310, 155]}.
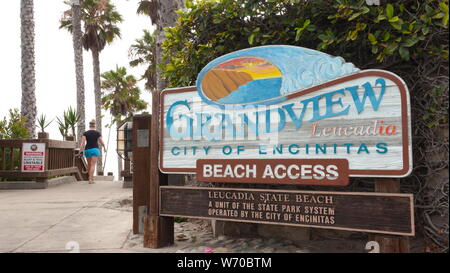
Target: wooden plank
{"type": "Point", "coordinates": [68, 158]}
{"type": "Point", "coordinates": [319, 172]}
{"type": "Point", "coordinates": [3, 158]}
{"type": "Point", "coordinates": [20, 157]}
{"type": "Point", "coordinates": [61, 144]}
{"type": "Point", "coordinates": [19, 174]}
{"type": "Point", "coordinates": [16, 143]}
{"type": "Point", "coordinates": [190, 138]}
{"type": "Point", "coordinates": [158, 231]}
{"type": "Point", "coordinates": [62, 171]}
{"type": "Point", "coordinates": [11, 159]}
{"type": "Point", "coordinates": [47, 150]}
{"type": "Point", "coordinates": [141, 170]}
{"type": "Point", "coordinates": [382, 213]}
{"type": "Point", "coordinates": [391, 244]}
{"type": "Point", "coordinates": [56, 172]}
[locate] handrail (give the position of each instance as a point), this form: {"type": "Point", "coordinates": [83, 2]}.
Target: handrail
{"type": "Point", "coordinates": [59, 159]}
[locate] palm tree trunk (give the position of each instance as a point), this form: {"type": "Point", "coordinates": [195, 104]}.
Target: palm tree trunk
{"type": "Point", "coordinates": [28, 103]}
{"type": "Point", "coordinates": [98, 98]}
{"type": "Point", "coordinates": [78, 58]}
{"type": "Point", "coordinates": [167, 17]}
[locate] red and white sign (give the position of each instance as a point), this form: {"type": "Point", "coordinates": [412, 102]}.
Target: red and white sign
{"type": "Point", "coordinates": [324, 172]}
{"type": "Point", "coordinates": [33, 157]}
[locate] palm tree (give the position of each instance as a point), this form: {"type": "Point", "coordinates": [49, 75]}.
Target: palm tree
{"type": "Point", "coordinates": [149, 8]}
{"type": "Point", "coordinates": [28, 103]}
{"type": "Point", "coordinates": [100, 28]}
{"type": "Point", "coordinates": [143, 52]}
{"type": "Point", "coordinates": [163, 14]}
{"type": "Point", "coordinates": [77, 35]}
{"type": "Point", "coordinates": [121, 94]}
{"type": "Point", "coordinates": [122, 99]}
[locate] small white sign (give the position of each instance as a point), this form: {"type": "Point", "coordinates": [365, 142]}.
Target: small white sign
{"type": "Point", "coordinates": [33, 157]}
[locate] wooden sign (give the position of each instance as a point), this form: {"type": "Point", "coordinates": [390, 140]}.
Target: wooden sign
{"type": "Point", "coordinates": [292, 103]}
{"type": "Point", "coordinates": [384, 213]}
{"type": "Point", "coordinates": [33, 157]}
{"type": "Point", "coordinates": [322, 172]}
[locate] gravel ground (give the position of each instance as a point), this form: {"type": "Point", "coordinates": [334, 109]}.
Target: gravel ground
{"type": "Point", "coordinates": [196, 236]}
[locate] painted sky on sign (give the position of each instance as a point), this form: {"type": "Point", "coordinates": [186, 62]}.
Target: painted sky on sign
{"type": "Point", "coordinates": [256, 67]}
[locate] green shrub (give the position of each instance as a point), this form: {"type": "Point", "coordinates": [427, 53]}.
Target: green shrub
{"type": "Point", "coordinates": [14, 127]}
{"type": "Point", "coordinates": [362, 34]}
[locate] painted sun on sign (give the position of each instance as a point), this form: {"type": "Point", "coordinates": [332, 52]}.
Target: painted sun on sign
{"type": "Point", "coordinates": [234, 81]}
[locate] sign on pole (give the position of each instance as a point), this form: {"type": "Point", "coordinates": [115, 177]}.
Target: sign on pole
{"type": "Point", "coordinates": [288, 115]}
{"type": "Point", "coordinates": [291, 105]}
{"type": "Point", "coordinates": [366, 212]}
{"type": "Point", "coordinates": [33, 157]}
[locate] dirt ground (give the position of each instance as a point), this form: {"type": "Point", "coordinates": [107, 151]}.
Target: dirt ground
{"type": "Point", "coordinates": [196, 236]}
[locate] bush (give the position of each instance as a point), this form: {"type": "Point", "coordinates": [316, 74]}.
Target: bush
{"type": "Point", "coordinates": [368, 36]}
{"type": "Point", "coordinates": [409, 38]}
{"type": "Point", "coordinates": [14, 127]}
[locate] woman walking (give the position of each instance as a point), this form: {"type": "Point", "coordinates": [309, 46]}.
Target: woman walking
{"type": "Point", "coordinates": [89, 144]}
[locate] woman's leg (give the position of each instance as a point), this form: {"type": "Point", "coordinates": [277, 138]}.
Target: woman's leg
{"type": "Point", "coordinates": [89, 167]}
{"type": "Point", "coordinates": [92, 169]}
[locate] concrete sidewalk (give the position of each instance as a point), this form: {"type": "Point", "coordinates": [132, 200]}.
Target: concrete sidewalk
{"type": "Point", "coordinates": [90, 216]}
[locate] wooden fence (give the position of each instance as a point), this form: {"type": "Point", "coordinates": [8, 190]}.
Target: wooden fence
{"type": "Point", "coordinates": [60, 159]}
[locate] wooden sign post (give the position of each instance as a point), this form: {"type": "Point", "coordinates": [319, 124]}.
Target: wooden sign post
{"type": "Point", "coordinates": [284, 115]}
{"type": "Point", "coordinates": [159, 230]}
{"type": "Point", "coordinates": [390, 244]}
{"type": "Point", "coordinates": [141, 170]}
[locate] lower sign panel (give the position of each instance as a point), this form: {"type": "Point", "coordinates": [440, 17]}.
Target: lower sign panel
{"type": "Point", "coordinates": [356, 211]}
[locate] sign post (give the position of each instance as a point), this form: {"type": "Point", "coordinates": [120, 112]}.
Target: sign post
{"type": "Point", "coordinates": [141, 171]}
{"type": "Point", "coordinates": [284, 115]}
{"type": "Point", "coordinates": [390, 244]}
{"type": "Point", "coordinates": [158, 230]}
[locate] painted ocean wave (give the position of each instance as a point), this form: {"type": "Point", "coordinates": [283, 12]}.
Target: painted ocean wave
{"type": "Point", "coordinates": [255, 90]}
{"type": "Point", "coordinates": [300, 67]}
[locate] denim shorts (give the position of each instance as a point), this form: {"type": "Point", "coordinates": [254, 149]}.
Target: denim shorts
{"type": "Point", "coordinates": [92, 152]}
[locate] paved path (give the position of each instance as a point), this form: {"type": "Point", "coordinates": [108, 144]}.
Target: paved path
{"type": "Point", "coordinates": [98, 218]}
{"type": "Point", "coordinates": [47, 220]}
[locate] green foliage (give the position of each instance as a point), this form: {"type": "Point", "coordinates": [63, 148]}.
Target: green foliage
{"type": "Point", "coordinates": [122, 96]}
{"type": "Point", "coordinates": [409, 38]}
{"type": "Point", "coordinates": [42, 122]}
{"type": "Point", "coordinates": [150, 8]}
{"type": "Point", "coordinates": [68, 122]}
{"type": "Point", "coordinates": [100, 19]}
{"type": "Point", "coordinates": [143, 52]}
{"type": "Point", "coordinates": [14, 127]}
{"type": "Point", "coordinates": [63, 126]}
{"type": "Point", "coordinates": [436, 110]}
{"type": "Point", "coordinates": [71, 118]}
{"type": "Point", "coordinates": [180, 219]}
{"type": "Point", "coordinates": [364, 35]}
